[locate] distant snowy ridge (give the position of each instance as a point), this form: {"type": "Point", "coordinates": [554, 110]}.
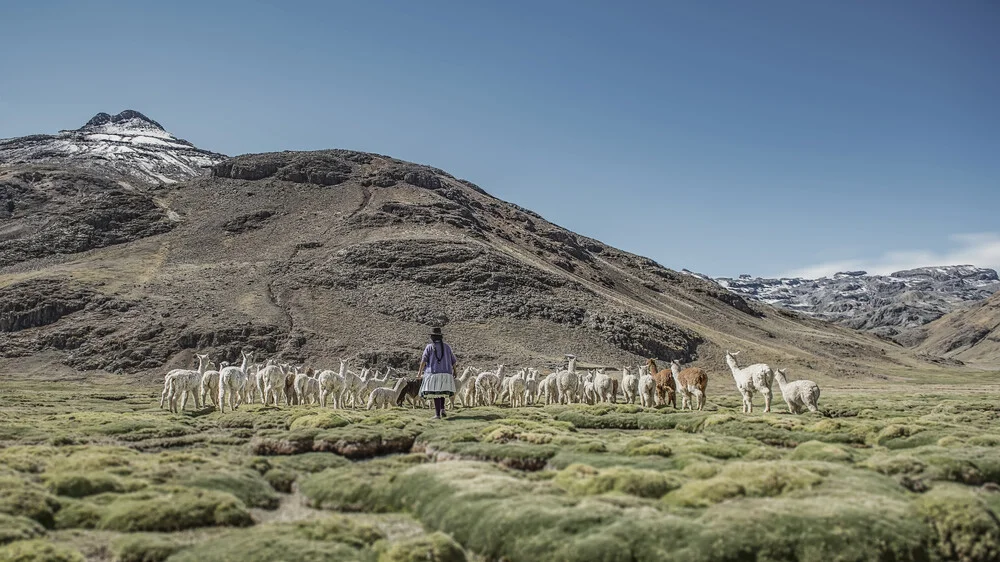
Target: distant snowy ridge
{"type": "Point", "coordinates": [889, 305]}
{"type": "Point", "coordinates": [129, 144]}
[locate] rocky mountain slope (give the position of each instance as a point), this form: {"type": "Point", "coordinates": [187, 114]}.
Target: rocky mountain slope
{"type": "Point", "coordinates": [888, 305]}
{"type": "Point", "coordinates": [316, 255]}
{"type": "Point", "coordinates": [129, 144]}
{"type": "Point", "coordinates": [971, 336]}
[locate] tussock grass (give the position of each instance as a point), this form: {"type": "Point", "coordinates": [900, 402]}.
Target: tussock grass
{"type": "Point", "coordinates": [332, 539]}
{"type": "Point", "coordinates": [38, 550]}
{"type": "Point", "coordinates": [15, 528]}
{"type": "Point", "coordinates": [892, 475]}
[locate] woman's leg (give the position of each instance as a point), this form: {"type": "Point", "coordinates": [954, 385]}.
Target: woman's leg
{"type": "Point", "coordinates": [439, 406]}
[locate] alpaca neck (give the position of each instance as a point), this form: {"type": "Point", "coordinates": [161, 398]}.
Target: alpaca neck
{"type": "Point", "coordinates": [780, 377]}
{"type": "Point", "coordinates": [734, 368]}
{"type": "Point", "coordinates": [674, 370]}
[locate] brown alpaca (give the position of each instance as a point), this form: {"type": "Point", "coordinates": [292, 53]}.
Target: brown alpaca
{"type": "Point", "coordinates": [411, 390]}
{"type": "Point", "coordinates": [690, 382]}
{"type": "Point", "coordinates": [664, 384]}
{"type": "Point", "coordinates": [290, 397]}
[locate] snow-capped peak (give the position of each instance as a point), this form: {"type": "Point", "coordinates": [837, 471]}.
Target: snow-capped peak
{"type": "Point", "coordinates": [129, 118]}
{"type": "Point", "coordinates": [128, 144]}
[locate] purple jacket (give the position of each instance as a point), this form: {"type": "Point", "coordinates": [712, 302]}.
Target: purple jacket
{"type": "Point", "coordinates": [435, 363]}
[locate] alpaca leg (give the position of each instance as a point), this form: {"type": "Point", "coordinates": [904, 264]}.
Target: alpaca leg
{"type": "Point", "coordinates": [699, 398]}
{"type": "Point", "coordinates": [791, 410]}
{"type": "Point", "coordinates": [767, 400]}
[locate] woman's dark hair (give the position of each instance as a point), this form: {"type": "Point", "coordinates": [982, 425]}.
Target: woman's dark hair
{"type": "Point", "coordinates": [438, 341]}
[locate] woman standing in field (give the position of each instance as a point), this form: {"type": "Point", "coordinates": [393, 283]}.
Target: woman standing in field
{"type": "Point", "coordinates": [437, 371]}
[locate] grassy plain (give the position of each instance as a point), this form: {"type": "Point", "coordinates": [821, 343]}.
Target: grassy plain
{"type": "Point", "coordinates": [93, 470]}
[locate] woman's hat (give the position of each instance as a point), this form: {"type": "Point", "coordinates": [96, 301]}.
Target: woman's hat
{"type": "Point", "coordinates": [436, 331]}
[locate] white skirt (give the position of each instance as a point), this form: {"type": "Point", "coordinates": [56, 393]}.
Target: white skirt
{"type": "Point", "coordinates": [436, 385]}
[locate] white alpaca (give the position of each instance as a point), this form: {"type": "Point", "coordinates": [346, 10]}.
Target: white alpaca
{"type": "Point", "coordinates": [273, 379]}
{"type": "Point", "coordinates": [303, 388]}
{"type": "Point", "coordinates": [383, 397]}
{"type": "Point", "coordinates": [753, 378]}
{"type": "Point", "coordinates": [550, 386]}
{"type": "Point", "coordinates": [568, 382]}
{"type": "Point", "coordinates": [630, 385]}
{"type": "Point", "coordinates": [516, 390]}
{"type": "Point", "coordinates": [233, 380]}
{"type": "Point", "coordinates": [179, 383]}
{"type": "Point", "coordinates": [332, 384]}
{"type": "Point", "coordinates": [306, 387]}
{"type": "Point", "coordinates": [210, 386]}
{"type": "Point", "coordinates": [353, 385]}
{"type": "Point", "coordinates": [512, 385]}
{"type": "Point", "coordinates": [603, 387]}
{"type": "Point", "coordinates": [370, 381]}
{"type": "Point", "coordinates": [589, 396]}
{"type": "Point", "coordinates": [465, 388]}
{"type": "Point", "coordinates": [167, 379]}
{"type": "Point", "coordinates": [488, 386]}
{"type": "Point", "coordinates": [798, 394]}
{"type": "Point", "coordinates": [251, 389]}
{"type": "Point", "coordinates": [647, 388]}
{"type": "Point", "coordinates": [531, 387]}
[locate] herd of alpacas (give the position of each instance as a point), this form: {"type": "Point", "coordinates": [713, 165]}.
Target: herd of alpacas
{"type": "Point", "coordinates": [275, 383]}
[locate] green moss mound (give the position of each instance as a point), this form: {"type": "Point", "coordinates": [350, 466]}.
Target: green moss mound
{"type": "Point", "coordinates": [438, 547]}
{"type": "Point", "coordinates": [332, 539]}
{"type": "Point", "coordinates": [820, 451]}
{"type": "Point", "coordinates": [14, 528]}
{"type": "Point", "coordinates": [644, 447]}
{"type": "Point", "coordinates": [38, 551]}
{"type": "Point", "coordinates": [755, 479]}
{"type": "Point", "coordinates": [173, 509]}
{"type": "Point", "coordinates": [20, 497]}
{"type": "Point", "coordinates": [251, 488]}
{"type": "Point", "coordinates": [281, 479]}
{"type": "Point", "coordinates": [145, 547]}
{"type": "Point", "coordinates": [363, 486]}
{"type": "Point", "coordinates": [78, 514]}
{"type": "Point", "coordinates": [965, 528]}
{"type": "Point", "coordinates": [325, 420]}
{"type": "Point", "coordinates": [79, 485]}
{"type": "Point", "coordinates": [585, 480]}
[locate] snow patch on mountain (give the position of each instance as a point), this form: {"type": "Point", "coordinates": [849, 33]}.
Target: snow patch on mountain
{"type": "Point", "coordinates": [128, 144]}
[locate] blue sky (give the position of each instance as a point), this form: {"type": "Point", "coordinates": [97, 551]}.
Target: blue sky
{"type": "Point", "coordinates": [724, 137]}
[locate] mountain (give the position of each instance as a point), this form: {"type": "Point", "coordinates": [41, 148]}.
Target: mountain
{"type": "Point", "coordinates": [317, 255]}
{"type": "Point", "coordinates": [128, 144]}
{"type": "Point", "coordinates": [971, 336]}
{"type": "Point", "coordinates": [887, 305]}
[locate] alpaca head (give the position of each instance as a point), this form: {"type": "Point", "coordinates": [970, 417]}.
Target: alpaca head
{"type": "Point", "coordinates": [731, 360]}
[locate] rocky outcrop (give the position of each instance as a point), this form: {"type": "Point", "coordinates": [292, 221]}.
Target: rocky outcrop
{"type": "Point", "coordinates": [52, 212]}
{"type": "Point", "coordinates": [890, 306]}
